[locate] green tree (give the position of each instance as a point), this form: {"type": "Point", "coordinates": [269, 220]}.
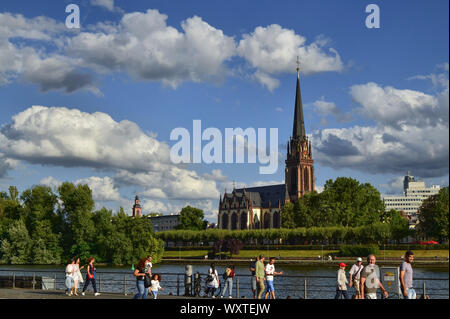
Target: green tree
{"type": "Point", "coordinates": [191, 218]}
{"type": "Point", "coordinates": [287, 216]}
{"type": "Point", "coordinates": [398, 224]}
{"type": "Point", "coordinates": [434, 215]}
{"type": "Point", "coordinates": [16, 248]}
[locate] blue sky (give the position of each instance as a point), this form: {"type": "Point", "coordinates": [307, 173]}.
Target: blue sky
{"type": "Point", "coordinates": [375, 100]}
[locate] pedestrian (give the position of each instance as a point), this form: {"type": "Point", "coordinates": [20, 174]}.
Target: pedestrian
{"type": "Point", "coordinates": [69, 277]}
{"type": "Point", "coordinates": [259, 270]}
{"type": "Point", "coordinates": [253, 278]}
{"type": "Point", "coordinates": [228, 277]}
{"type": "Point", "coordinates": [342, 282]}
{"type": "Point", "coordinates": [156, 279]}
{"type": "Point", "coordinates": [140, 274]}
{"type": "Point", "coordinates": [370, 281]}
{"type": "Point", "coordinates": [355, 276]}
{"type": "Point", "coordinates": [270, 273]}
{"type": "Point", "coordinates": [406, 277]}
{"type": "Point", "coordinates": [212, 281]}
{"type": "Point", "coordinates": [77, 277]}
{"type": "Point", "coordinates": [90, 277]}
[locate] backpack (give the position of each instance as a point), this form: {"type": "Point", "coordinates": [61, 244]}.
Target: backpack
{"type": "Point", "coordinates": [227, 273]}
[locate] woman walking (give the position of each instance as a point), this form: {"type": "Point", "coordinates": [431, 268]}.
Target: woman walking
{"type": "Point", "coordinates": [90, 277]}
{"type": "Point", "coordinates": [139, 273]}
{"type": "Point", "coordinates": [69, 277]}
{"type": "Point", "coordinates": [156, 279]}
{"type": "Point", "coordinates": [212, 281]}
{"type": "Point", "coordinates": [228, 277]}
{"type": "Point", "coordinates": [77, 277]}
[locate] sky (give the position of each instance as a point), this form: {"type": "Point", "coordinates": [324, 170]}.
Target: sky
{"type": "Point", "coordinates": [97, 104]}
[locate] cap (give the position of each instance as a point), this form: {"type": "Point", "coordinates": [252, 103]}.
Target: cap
{"type": "Point", "coordinates": [342, 265]}
{"type": "Point", "coordinates": [359, 259]}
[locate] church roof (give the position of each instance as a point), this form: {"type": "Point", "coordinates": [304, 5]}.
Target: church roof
{"type": "Point", "coordinates": [262, 195]}
{"type": "Point", "coordinates": [298, 130]}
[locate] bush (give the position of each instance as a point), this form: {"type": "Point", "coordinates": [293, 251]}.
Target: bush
{"type": "Point", "coordinates": [358, 250]}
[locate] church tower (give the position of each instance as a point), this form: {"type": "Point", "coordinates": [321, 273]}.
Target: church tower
{"type": "Point", "coordinates": [136, 208]}
{"type": "Point", "coordinates": [299, 171]}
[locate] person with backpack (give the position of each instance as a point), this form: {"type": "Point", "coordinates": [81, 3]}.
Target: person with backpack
{"type": "Point", "coordinates": [212, 281]}
{"type": "Point", "coordinates": [228, 277]}
{"type": "Point", "coordinates": [355, 275]}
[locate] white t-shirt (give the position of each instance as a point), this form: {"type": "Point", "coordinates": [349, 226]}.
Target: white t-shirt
{"type": "Point", "coordinates": [69, 270]}
{"type": "Point", "coordinates": [354, 270]}
{"type": "Point", "coordinates": [155, 285]}
{"type": "Point", "coordinates": [270, 269]}
{"type": "Point", "coordinates": [148, 267]}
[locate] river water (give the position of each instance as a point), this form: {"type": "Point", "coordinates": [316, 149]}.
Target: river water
{"type": "Point", "coordinates": [320, 281]}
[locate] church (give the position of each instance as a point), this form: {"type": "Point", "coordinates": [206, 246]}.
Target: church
{"type": "Point", "coordinates": [260, 207]}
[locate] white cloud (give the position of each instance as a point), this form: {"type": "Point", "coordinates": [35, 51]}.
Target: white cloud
{"type": "Point", "coordinates": [107, 4]}
{"type": "Point", "coordinates": [325, 108]}
{"type": "Point", "coordinates": [144, 46]}
{"type": "Point", "coordinates": [411, 132]}
{"type": "Point", "coordinates": [272, 50]}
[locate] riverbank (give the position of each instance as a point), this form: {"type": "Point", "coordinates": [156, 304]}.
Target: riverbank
{"type": "Point", "coordinates": [308, 263]}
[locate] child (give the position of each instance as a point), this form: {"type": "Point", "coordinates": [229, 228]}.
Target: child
{"type": "Point", "coordinates": [155, 285]}
{"type": "Point", "coordinates": [341, 288]}
{"type": "Point", "coordinates": [90, 277]}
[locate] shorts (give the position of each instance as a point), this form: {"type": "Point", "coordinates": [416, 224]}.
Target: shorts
{"type": "Point", "coordinates": [253, 282]}
{"type": "Point", "coordinates": [411, 294]}
{"type": "Point", "coordinates": [356, 286]}
{"type": "Point", "coordinates": [371, 296]}
{"type": "Point", "coordinates": [270, 287]}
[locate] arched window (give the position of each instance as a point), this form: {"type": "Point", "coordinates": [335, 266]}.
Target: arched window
{"type": "Point", "coordinates": [276, 220]}
{"type": "Point", "coordinates": [234, 221]}
{"type": "Point", "coordinates": [267, 220]}
{"type": "Point", "coordinates": [294, 180]}
{"type": "Point", "coordinates": [244, 220]}
{"type": "Point", "coordinates": [225, 221]}
{"type": "Point", "coordinates": [306, 177]}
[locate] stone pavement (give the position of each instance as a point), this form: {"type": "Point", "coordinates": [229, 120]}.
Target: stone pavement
{"type": "Point", "coordinates": [18, 293]}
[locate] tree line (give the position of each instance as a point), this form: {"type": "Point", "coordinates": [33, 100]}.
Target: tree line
{"type": "Point", "coordinates": [40, 226]}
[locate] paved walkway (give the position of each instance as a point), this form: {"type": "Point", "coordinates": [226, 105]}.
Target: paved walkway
{"type": "Point", "coordinates": [18, 293]}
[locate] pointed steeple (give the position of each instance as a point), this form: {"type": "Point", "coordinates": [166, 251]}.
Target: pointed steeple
{"type": "Point", "coordinates": [298, 131]}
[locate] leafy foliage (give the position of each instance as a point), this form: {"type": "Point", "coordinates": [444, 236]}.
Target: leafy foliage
{"type": "Point", "coordinates": [41, 227]}
{"type": "Point", "coordinates": [434, 216]}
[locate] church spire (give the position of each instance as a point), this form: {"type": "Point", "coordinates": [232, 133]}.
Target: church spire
{"type": "Point", "coordinates": [298, 131]}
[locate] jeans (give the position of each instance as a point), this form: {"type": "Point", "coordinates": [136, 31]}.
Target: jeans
{"type": "Point", "coordinates": [254, 283]}
{"type": "Point", "coordinates": [142, 291]}
{"type": "Point", "coordinates": [155, 294]}
{"type": "Point", "coordinates": [411, 294]}
{"type": "Point", "coordinates": [229, 284]}
{"type": "Point", "coordinates": [86, 284]}
{"type": "Point", "coordinates": [339, 294]}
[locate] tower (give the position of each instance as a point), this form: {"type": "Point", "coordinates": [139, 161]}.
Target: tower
{"type": "Point", "coordinates": [136, 208]}
{"type": "Point", "coordinates": [299, 171]}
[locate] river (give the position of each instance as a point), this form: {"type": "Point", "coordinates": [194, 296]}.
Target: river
{"type": "Point", "coordinates": [320, 281]}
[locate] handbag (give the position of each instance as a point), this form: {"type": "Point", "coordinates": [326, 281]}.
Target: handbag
{"type": "Point", "coordinates": [147, 281]}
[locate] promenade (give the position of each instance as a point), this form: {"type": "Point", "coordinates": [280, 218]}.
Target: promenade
{"type": "Point", "coordinates": [18, 293]}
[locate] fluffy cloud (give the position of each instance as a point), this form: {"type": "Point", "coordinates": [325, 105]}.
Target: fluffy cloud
{"type": "Point", "coordinates": [273, 50]}
{"type": "Point", "coordinates": [50, 71]}
{"type": "Point", "coordinates": [144, 46]}
{"type": "Point", "coordinates": [71, 138]}
{"type": "Point", "coordinates": [325, 109]}
{"type": "Point", "coordinates": [411, 132]}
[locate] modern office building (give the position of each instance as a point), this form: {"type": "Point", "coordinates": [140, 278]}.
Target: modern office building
{"type": "Point", "coordinates": [414, 193]}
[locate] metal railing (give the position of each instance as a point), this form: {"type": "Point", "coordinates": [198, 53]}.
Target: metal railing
{"type": "Point", "coordinates": [308, 286]}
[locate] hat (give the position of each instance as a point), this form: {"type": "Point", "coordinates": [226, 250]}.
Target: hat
{"type": "Point", "coordinates": [342, 265]}
{"type": "Point", "coordinates": [359, 259]}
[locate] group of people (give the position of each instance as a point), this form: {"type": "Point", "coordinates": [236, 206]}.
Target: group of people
{"type": "Point", "coordinates": [263, 273]}
{"type": "Point", "coordinates": [146, 282]}
{"type": "Point", "coordinates": [74, 277]}
{"type": "Point", "coordinates": [365, 279]}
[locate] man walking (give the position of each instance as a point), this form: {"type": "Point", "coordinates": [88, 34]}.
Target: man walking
{"type": "Point", "coordinates": [341, 288]}
{"type": "Point", "coordinates": [253, 271]}
{"type": "Point", "coordinates": [370, 280]}
{"type": "Point", "coordinates": [406, 276]}
{"type": "Point", "coordinates": [270, 272]}
{"type": "Point", "coordinates": [259, 270]}
{"type": "Point", "coordinates": [355, 276]}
